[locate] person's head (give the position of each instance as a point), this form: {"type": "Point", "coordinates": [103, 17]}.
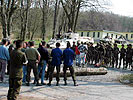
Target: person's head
{"type": "Point", "coordinates": [57, 45]}
{"type": "Point", "coordinates": [130, 45]}
{"type": "Point", "coordinates": [48, 46]}
{"type": "Point", "coordinates": [43, 43]}
{"type": "Point", "coordinates": [19, 44]}
{"type": "Point", "coordinates": [82, 43]}
{"type": "Point", "coordinates": [24, 45]}
{"type": "Point", "coordinates": [68, 45]}
{"type": "Point", "coordinates": [122, 45]}
{"type": "Point", "coordinates": [31, 43]}
{"type": "Point", "coordinates": [115, 45]}
{"type": "Point", "coordinates": [5, 42]}
{"type": "Point", "coordinates": [73, 43]}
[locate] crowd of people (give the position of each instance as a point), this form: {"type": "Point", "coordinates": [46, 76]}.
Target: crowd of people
{"type": "Point", "coordinates": [104, 54]}
{"type": "Point", "coordinates": [22, 57]}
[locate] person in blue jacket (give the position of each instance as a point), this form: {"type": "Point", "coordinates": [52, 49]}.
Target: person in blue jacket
{"type": "Point", "coordinates": [56, 55]}
{"type": "Point", "coordinates": [68, 56]}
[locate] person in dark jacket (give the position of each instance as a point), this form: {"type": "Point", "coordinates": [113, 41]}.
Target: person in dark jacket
{"type": "Point", "coordinates": [122, 55]}
{"type": "Point", "coordinates": [68, 56]}
{"type": "Point", "coordinates": [56, 62]}
{"type": "Point", "coordinates": [43, 61]}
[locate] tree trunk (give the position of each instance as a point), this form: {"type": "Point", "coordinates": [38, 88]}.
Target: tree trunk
{"type": "Point", "coordinates": [55, 18]}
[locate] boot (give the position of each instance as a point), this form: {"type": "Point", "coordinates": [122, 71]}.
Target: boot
{"type": "Point", "coordinates": [38, 84]}
{"type": "Point", "coordinates": [75, 84]}
{"type": "Point", "coordinates": [65, 83]}
{"type": "Point", "coordinates": [57, 84]}
{"type": "Point", "coordinates": [49, 84]}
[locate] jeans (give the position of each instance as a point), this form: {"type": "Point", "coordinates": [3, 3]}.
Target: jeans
{"type": "Point", "coordinates": [40, 67]}
{"type": "Point", "coordinates": [24, 73]}
{"type": "Point", "coordinates": [82, 58]}
{"type": "Point", "coordinates": [77, 59]}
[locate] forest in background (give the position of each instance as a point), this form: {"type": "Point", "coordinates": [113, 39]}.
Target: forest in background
{"type": "Point", "coordinates": [29, 19]}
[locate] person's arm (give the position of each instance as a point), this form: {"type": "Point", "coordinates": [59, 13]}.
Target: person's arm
{"type": "Point", "coordinates": [25, 61]}
{"type": "Point", "coordinates": [7, 54]}
{"type": "Point", "coordinates": [38, 56]}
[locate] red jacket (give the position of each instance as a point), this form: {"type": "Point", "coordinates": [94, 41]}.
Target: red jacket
{"type": "Point", "coordinates": [77, 51]}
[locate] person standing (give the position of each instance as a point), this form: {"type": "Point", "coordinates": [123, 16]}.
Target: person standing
{"type": "Point", "coordinates": [122, 56]}
{"type": "Point", "coordinates": [68, 56]}
{"type": "Point", "coordinates": [33, 57]}
{"type": "Point", "coordinates": [10, 49]}
{"type": "Point", "coordinates": [82, 48]}
{"type": "Point", "coordinates": [56, 62]}
{"type": "Point", "coordinates": [115, 56]}
{"type": "Point", "coordinates": [43, 61]}
{"type": "Point", "coordinates": [4, 58]}
{"type": "Point", "coordinates": [18, 58]}
{"type": "Point", "coordinates": [49, 62]}
{"type": "Point", "coordinates": [129, 54]}
{"type": "Point", "coordinates": [24, 66]}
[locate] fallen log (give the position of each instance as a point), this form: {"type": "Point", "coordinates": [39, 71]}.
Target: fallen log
{"type": "Point", "coordinates": [85, 72]}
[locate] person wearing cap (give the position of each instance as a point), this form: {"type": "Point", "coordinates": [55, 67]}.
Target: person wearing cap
{"type": "Point", "coordinates": [18, 58]}
{"type": "Point", "coordinates": [4, 57]}
{"type": "Point", "coordinates": [122, 55]}
{"type": "Point", "coordinates": [68, 56]}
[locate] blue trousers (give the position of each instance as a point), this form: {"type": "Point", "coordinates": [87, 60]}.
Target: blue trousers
{"type": "Point", "coordinates": [42, 67]}
{"type": "Point", "coordinates": [24, 73]}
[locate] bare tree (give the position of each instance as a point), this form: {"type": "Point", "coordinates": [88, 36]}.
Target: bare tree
{"type": "Point", "coordinates": [24, 11]}
{"type": "Point", "coordinates": [7, 9]}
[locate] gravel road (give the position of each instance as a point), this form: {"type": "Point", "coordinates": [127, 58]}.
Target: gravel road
{"type": "Point", "coordinates": [102, 87]}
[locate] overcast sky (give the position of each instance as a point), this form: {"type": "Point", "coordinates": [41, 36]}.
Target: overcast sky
{"type": "Point", "coordinates": [122, 7]}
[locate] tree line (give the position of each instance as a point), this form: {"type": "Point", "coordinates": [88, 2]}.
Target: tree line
{"type": "Point", "coordinates": [28, 19]}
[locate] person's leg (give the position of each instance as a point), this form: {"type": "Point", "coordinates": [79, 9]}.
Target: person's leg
{"type": "Point", "coordinates": [73, 75]}
{"type": "Point", "coordinates": [120, 61]}
{"type": "Point", "coordinates": [58, 75]}
{"type": "Point", "coordinates": [10, 91]}
{"type": "Point", "coordinates": [16, 88]}
{"type": "Point", "coordinates": [65, 75]}
{"type": "Point", "coordinates": [51, 75]}
{"type": "Point", "coordinates": [35, 72]}
{"type": "Point", "coordinates": [28, 74]}
{"type": "Point", "coordinates": [24, 73]}
{"type": "Point", "coordinates": [43, 72]}
{"type": "Point", "coordinates": [116, 60]}
{"type": "Point", "coordinates": [3, 69]}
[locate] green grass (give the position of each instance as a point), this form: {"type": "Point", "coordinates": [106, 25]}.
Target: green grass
{"type": "Point", "coordinates": [128, 77]}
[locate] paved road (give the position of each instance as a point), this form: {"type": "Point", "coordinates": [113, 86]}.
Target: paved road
{"type": "Point", "coordinates": [106, 87]}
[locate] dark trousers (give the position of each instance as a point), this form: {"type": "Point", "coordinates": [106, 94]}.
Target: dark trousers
{"type": "Point", "coordinates": [128, 61]}
{"type": "Point", "coordinates": [115, 61]}
{"type": "Point", "coordinates": [48, 70]}
{"type": "Point", "coordinates": [14, 88]}
{"type": "Point", "coordinates": [32, 65]}
{"type": "Point", "coordinates": [57, 74]}
{"type": "Point", "coordinates": [3, 64]}
{"type": "Point", "coordinates": [122, 58]}
{"type": "Point", "coordinates": [71, 71]}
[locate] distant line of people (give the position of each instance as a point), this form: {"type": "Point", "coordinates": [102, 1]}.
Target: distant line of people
{"type": "Point", "coordinates": [104, 54]}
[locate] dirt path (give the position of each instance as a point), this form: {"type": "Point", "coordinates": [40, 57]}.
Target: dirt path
{"type": "Point", "coordinates": [103, 87]}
